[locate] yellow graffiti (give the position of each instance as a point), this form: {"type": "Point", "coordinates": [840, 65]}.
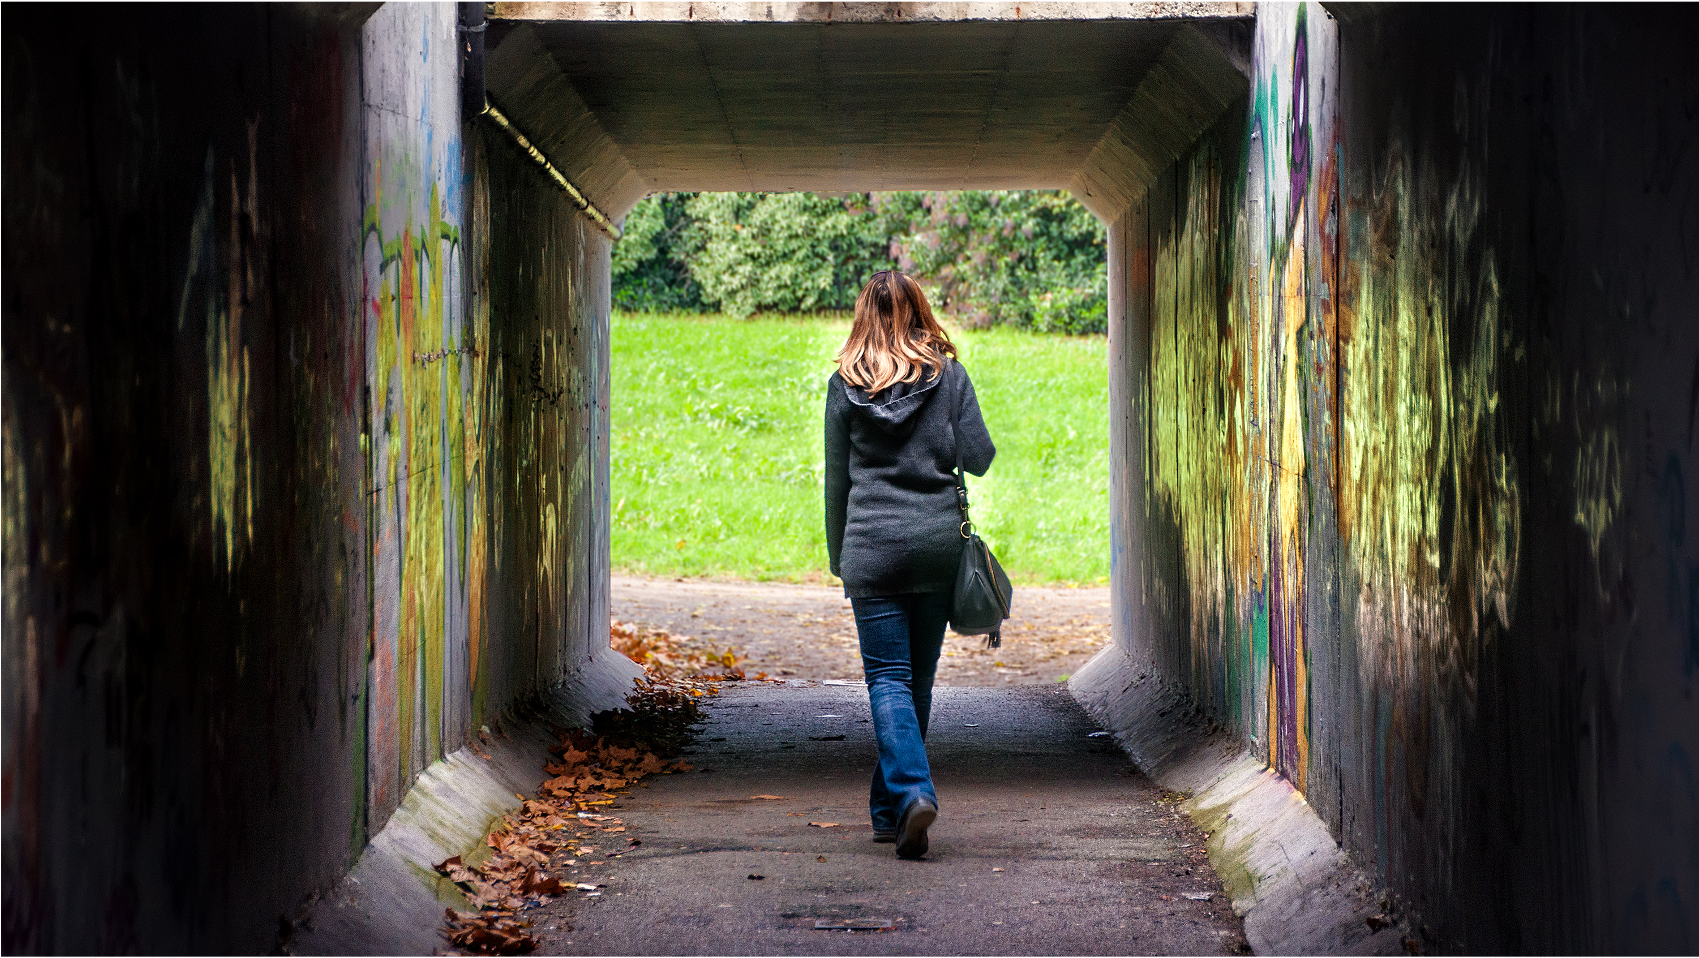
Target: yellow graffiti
{"type": "Point", "coordinates": [1422, 429]}
{"type": "Point", "coordinates": [424, 420]}
{"type": "Point", "coordinates": [1191, 371]}
{"type": "Point", "coordinates": [229, 455]}
{"type": "Point", "coordinates": [1209, 461]}
{"type": "Point", "coordinates": [16, 523]}
{"type": "Point", "coordinates": [476, 500]}
{"type": "Point", "coordinates": [1229, 446]}
{"type": "Point", "coordinates": [230, 467]}
{"type": "Point", "coordinates": [1598, 476]}
{"type": "Point", "coordinates": [1372, 373]}
{"type": "Point", "coordinates": [1295, 293]}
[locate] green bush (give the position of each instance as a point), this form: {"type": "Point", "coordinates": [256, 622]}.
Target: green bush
{"type": "Point", "coordinates": [651, 263]}
{"type": "Point", "coordinates": [1027, 258]}
{"type": "Point", "coordinates": [1030, 259]}
{"type": "Point", "coordinates": [785, 252]}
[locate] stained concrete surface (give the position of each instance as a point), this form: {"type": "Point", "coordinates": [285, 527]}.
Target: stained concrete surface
{"type": "Point", "coordinates": [1094, 858]}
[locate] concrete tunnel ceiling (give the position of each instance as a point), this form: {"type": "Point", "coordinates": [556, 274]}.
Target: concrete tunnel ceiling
{"type": "Point", "coordinates": [633, 98]}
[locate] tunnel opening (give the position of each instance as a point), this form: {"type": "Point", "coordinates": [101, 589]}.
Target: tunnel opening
{"type": "Point", "coordinates": [716, 445]}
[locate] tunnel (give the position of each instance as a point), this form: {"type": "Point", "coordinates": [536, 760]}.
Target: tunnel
{"type": "Point", "coordinates": [306, 435]}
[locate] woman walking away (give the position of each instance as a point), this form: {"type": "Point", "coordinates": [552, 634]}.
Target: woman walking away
{"type": "Point", "coordinates": [900, 414]}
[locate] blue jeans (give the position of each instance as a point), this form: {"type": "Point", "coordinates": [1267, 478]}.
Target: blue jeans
{"type": "Point", "coordinates": [901, 636]}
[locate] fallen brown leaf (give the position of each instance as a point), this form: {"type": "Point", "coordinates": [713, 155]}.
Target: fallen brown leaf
{"type": "Point", "coordinates": [488, 935]}
{"type": "Point", "coordinates": [516, 875]}
{"type": "Point", "coordinates": [457, 871]}
{"type": "Point", "coordinates": [537, 882]}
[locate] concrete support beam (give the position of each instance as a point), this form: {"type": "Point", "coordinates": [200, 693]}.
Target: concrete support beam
{"type": "Point", "coordinates": [886, 97]}
{"type": "Point", "coordinates": [745, 12]}
{"type": "Point", "coordinates": [524, 79]}
{"type": "Point", "coordinates": [1203, 69]}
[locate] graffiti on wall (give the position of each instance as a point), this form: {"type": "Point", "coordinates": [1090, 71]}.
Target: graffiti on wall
{"type": "Point", "coordinates": [219, 294]}
{"type": "Point", "coordinates": [482, 423]}
{"type": "Point", "coordinates": [1417, 410]}
{"type": "Point", "coordinates": [426, 371]}
{"type": "Point", "coordinates": [1328, 364]}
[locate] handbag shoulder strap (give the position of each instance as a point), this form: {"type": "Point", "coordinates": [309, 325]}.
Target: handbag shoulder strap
{"type": "Point", "coordinates": [961, 474]}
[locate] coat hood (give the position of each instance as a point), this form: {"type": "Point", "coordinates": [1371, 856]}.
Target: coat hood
{"type": "Point", "coordinates": [896, 408]}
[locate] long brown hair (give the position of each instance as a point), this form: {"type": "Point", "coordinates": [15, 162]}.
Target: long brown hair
{"type": "Point", "coordinates": [895, 339]}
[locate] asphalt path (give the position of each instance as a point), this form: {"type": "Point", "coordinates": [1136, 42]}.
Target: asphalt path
{"type": "Point", "coordinates": [791, 630]}
{"type": "Point", "coordinates": [1048, 841]}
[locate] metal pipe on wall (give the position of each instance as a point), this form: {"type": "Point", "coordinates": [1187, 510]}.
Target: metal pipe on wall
{"type": "Point", "coordinates": [577, 196]}
{"type": "Point", "coordinates": [471, 29]}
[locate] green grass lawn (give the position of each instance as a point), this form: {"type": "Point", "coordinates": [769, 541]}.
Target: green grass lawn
{"type": "Point", "coordinates": [717, 447]}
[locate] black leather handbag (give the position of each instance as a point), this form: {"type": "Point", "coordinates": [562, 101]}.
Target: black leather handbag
{"type": "Point", "coordinates": [982, 595]}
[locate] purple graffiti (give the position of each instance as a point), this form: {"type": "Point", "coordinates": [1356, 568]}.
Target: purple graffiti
{"type": "Point", "coordinates": [1298, 121]}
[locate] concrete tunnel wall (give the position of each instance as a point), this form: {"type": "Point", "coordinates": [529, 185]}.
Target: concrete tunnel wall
{"type": "Point", "coordinates": [305, 451]}
{"type": "Point", "coordinates": [1403, 366]}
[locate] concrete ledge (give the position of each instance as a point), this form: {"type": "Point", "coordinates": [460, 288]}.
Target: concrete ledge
{"type": "Point", "coordinates": [391, 901]}
{"type": "Point", "coordinates": [599, 684]}
{"type": "Point", "coordinates": [1296, 890]}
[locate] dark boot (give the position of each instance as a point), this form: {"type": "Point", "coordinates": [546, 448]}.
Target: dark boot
{"type": "Point", "coordinates": [911, 831]}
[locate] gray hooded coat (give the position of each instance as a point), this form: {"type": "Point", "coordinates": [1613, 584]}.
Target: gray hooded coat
{"type": "Point", "coordinates": [892, 524]}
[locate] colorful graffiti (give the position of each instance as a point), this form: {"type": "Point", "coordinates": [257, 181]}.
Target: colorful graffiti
{"type": "Point", "coordinates": [427, 376]}
{"type": "Point", "coordinates": [1324, 366]}
{"type": "Point", "coordinates": [1399, 400]}
{"type": "Point", "coordinates": [480, 363]}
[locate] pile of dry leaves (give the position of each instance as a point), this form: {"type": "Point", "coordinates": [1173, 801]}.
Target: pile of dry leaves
{"type": "Point", "coordinates": [561, 826]}
{"type": "Point", "coordinates": [669, 656]}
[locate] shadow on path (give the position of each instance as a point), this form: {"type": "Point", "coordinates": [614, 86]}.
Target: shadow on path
{"type": "Point", "coordinates": [1048, 841]}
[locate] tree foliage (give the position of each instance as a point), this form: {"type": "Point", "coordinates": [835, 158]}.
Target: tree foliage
{"type": "Point", "coordinates": [1028, 258]}
{"type": "Point", "coordinates": [651, 263]}
{"type": "Point", "coordinates": [785, 252]}
{"type": "Point", "coordinates": [1032, 259]}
